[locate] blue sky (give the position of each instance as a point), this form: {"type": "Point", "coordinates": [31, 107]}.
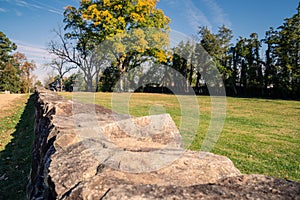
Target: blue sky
{"type": "Point", "coordinates": [28, 23]}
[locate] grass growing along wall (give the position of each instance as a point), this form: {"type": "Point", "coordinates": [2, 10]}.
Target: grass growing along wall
{"type": "Point", "coordinates": [260, 136]}
{"type": "Point", "coordinates": [16, 139]}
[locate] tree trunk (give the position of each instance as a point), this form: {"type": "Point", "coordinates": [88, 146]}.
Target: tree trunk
{"type": "Point", "coordinates": [122, 69]}
{"type": "Point", "coordinates": [61, 84]}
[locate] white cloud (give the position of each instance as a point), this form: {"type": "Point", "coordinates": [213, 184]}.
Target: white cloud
{"type": "Point", "coordinates": [55, 11]}
{"type": "Point", "coordinates": [35, 5]}
{"type": "Point", "coordinates": [47, 7]}
{"type": "Point", "coordinates": [21, 3]}
{"type": "Point", "coordinates": [18, 13]}
{"type": "Point", "coordinates": [219, 17]}
{"type": "Point", "coordinates": [2, 10]}
{"type": "Point", "coordinates": [195, 16]}
{"type": "Point", "coordinates": [30, 51]}
{"type": "Point", "coordinates": [204, 13]}
{"type": "Point", "coordinates": [171, 2]}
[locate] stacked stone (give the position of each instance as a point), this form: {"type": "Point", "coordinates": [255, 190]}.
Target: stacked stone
{"type": "Point", "coordinates": [85, 151]}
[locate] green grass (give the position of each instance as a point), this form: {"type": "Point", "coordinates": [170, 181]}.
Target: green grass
{"type": "Point", "coordinates": [263, 136]}
{"type": "Point", "coordinates": [16, 139]}
{"type": "Point", "coordinates": [260, 136]}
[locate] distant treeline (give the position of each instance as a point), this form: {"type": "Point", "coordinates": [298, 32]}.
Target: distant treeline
{"type": "Point", "coordinates": [106, 49]}
{"type": "Point", "coordinates": [244, 70]}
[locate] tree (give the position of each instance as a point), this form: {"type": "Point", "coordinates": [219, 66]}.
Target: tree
{"type": "Point", "coordinates": [59, 65]}
{"type": "Point", "coordinates": [15, 69]}
{"type": "Point", "coordinates": [9, 72]}
{"type": "Point", "coordinates": [124, 25]}
{"type": "Point", "coordinates": [6, 47]}
{"type": "Point", "coordinates": [183, 62]}
{"type": "Point", "coordinates": [288, 49]}
{"type": "Point", "coordinates": [242, 67]}
{"type": "Point", "coordinates": [224, 37]}
{"type": "Point", "coordinates": [70, 81]}
{"type": "Point", "coordinates": [254, 71]}
{"type": "Point", "coordinates": [270, 73]}
{"type": "Point", "coordinates": [89, 60]}
{"type": "Point", "coordinates": [247, 66]}
{"type": "Point", "coordinates": [218, 47]}
{"type": "Point", "coordinates": [26, 69]}
{"type": "Point", "coordinates": [38, 83]}
{"type": "Point", "coordinates": [109, 78]}
{"type": "Point", "coordinates": [9, 78]}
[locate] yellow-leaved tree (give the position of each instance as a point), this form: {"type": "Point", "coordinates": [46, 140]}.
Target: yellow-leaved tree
{"type": "Point", "coordinates": [132, 30]}
{"type": "Point", "coordinates": [26, 68]}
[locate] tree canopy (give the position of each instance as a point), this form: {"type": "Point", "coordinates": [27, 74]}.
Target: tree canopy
{"type": "Point", "coordinates": [246, 69]}
{"type": "Point", "coordinates": [106, 39]}
{"type": "Point", "coordinates": [6, 48]}
{"type": "Point", "coordinates": [118, 33]}
{"type": "Point", "coordinates": [15, 69]}
{"type": "Point", "coordinates": [9, 79]}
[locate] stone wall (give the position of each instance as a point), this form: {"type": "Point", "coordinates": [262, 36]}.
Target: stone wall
{"type": "Point", "coordinates": [83, 151]}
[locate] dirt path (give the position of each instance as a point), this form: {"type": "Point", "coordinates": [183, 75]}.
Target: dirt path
{"type": "Point", "coordinates": [7, 101]}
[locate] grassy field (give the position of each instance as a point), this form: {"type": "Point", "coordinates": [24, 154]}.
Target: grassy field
{"type": "Point", "coordinates": [16, 140]}
{"type": "Point", "coordinates": [260, 136]}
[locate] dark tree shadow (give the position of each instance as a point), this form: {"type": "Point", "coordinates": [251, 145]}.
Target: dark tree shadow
{"type": "Point", "coordinates": [15, 159]}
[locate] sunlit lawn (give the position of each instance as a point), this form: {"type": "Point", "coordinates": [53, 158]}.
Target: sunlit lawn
{"type": "Point", "coordinates": [260, 136]}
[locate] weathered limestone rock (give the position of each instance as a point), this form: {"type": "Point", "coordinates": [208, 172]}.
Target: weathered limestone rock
{"type": "Point", "coordinates": [83, 151]}
{"type": "Point", "coordinates": [238, 187]}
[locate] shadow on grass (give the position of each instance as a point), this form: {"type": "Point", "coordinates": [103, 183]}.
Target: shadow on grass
{"type": "Point", "coordinates": [15, 159]}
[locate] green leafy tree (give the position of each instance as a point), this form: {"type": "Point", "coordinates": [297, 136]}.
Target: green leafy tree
{"type": "Point", "coordinates": [9, 72]}
{"type": "Point", "coordinates": [217, 54]}
{"type": "Point", "coordinates": [242, 67]}
{"type": "Point", "coordinates": [288, 48]}
{"type": "Point", "coordinates": [109, 79]}
{"type": "Point", "coordinates": [218, 47]}
{"type": "Point", "coordinates": [38, 83]}
{"type": "Point", "coordinates": [6, 48]}
{"type": "Point", "coordinates": [9, 78]}
{"type": "Point", "coordinates": [254, 71]}
{"type": "Point", "coordinates": [70, 81]}
{"type": "Point", "coordinates": [270, 73]}
{"type": "Point", "coordinates": [247, 66]}
{"type": "Point", "coordinates": [183, 62]}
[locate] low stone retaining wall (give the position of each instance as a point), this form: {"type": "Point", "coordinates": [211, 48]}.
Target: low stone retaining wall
{"type": "Point", "coordinates": [83, 151]}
